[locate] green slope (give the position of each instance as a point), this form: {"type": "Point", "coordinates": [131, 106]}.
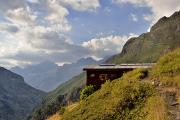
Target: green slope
{"type": "Point", "coordinates": [163, 37]}
{"type": "Point", "coordinates": [131, 97]}
{"type": "Point", "coordinates": [67, 87]}
{"type": "Point", "coordinates": [66, 93]}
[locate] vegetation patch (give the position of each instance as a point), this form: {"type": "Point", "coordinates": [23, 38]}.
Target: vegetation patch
{"type": "Point", "coordinates": [55, 101]}
{"type": "Point", "coordinates": [88, 90]}
{"type": "Point", "coordinates": [120, 99]}
{"type": "Point", "coordinates": [156, 109]}
{"type": "Point", "coordinates": [169, 64]}
{"type": "Point", "coordinates": [168, 68]}
{"type": "Point", "coordinates": [137, 74]}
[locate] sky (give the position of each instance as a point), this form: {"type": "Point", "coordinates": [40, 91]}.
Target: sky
{"type": "Point", "coordinates": [63, 31]}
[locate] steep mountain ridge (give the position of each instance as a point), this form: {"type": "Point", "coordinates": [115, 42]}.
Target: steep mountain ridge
{"type": "Point", "coordinates": [17, 99]}
{"type": "Point", "coordinates": [163, 37]}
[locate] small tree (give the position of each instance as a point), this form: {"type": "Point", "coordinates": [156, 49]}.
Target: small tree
{"type": "Point", "coordinates": [62, 110]}
{"type": "Point", "coordinates": [88, 90]}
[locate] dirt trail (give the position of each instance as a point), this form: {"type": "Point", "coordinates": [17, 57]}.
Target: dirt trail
{"type": "Point", "coordinates": [172, 97]}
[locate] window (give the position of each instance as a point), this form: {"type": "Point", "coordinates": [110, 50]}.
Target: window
{"type": "Point", "coordinates": [92, 75]}
{"type": "Point", "coordinates": [103, 77]}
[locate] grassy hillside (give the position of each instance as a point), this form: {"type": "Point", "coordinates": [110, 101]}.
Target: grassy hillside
{"type": "Point", "coordinates": [163, 37]}
{"type": "Point", "coordinates": [118, 100]}
{"type": "Point", "coordinates": [167, 70]}
{"type": "Point", "coordinates": [133, 96]}
{"type": "Point", "coordinates": [66, 93]}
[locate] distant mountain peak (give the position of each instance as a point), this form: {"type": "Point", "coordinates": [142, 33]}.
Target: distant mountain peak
{"type": "Point", "coordinates": [47, 75]}
{"type": "Point", "coordinates": [86, 60]}
{"type": "Point", "coordinates": [7, 74]}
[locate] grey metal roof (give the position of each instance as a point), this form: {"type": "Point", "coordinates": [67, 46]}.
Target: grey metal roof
{"type": "Point", "coordinates": [119, 66]}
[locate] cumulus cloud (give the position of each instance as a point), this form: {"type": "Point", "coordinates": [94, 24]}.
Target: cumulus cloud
{"type": "Point", "coordinates": [33, 1]}
{"type": "Point", "coordinates": [9, 28]}
{"type": "Point", "coordinates": [65, 52]}
{"type": "Point", "coordinates": [81, 5]}
{"type": "Point", "coordinates": [136, 2]}
{"type": "Point", "coordinates": [148, 17]}
{"type": "Point", "coordinates": [8, 46]}
{"type": "Point", "coordinates": [9, 4]}
{"type": "Point", "coordinates": [30, 37]}
{"type": "Point", "coordinates": [55, 41]}
{"type": "Point", "coordinates": [33, 35]}
{"type": "Point", "coordinates": [54, 15]}
{"type": "Point", "coordinates": [21, 16]}
{"type": "Point", "coordinates": [101, 47]}
{"type": "Point", "coordinates": [158, 9]}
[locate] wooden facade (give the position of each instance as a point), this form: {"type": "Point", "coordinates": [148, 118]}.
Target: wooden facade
{"type": "Point", "coordinates": [98, 74]}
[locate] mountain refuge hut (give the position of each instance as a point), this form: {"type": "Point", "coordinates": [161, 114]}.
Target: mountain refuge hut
{"type": "Point", "coordinates": [96, 75]}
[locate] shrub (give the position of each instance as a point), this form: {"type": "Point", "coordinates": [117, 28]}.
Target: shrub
{"type": "Point", "coordinates": [169, 64]}
{"type": "Point", "coordinates": [167, 69]}
{"type": "Point", "coordinates": [62, 110]}
{"type": "Point", "coordinates": [116, 100]}
{"type": "Point", "coordinates": [88, 90]}
{"type": "Point", "coordinates": [136, 74]}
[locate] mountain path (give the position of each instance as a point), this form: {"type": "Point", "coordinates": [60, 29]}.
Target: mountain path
{"type": "Point", "coordinates": [172, 98]}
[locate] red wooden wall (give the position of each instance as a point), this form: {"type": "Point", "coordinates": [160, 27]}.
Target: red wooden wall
{"type": "Point", "coordinates": [98, 77]}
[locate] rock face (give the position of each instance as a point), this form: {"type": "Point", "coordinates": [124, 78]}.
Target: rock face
{"type": "Point", "coordinates": [17, 99]}
{"type": "Point", "coordinates": [163, 37]}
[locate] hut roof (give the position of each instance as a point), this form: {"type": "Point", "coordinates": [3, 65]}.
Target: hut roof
{"type": "Point", "coordinates": [119, 66]}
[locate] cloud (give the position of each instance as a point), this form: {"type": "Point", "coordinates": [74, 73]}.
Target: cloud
{"type": "Point", "coordinates": [33, 35]}
{"type": "Point", "coordinates": [33, 1]}
{"type": "Point", "coordinates": [6, 62]}
{"type": "Point", "coordinates": [55, 10]}
{"type": "Point", "coordinates": [81, 5]}
{"type": "Point", "coordinates": [136, 2]}
{"type": "Point", "coordinates": [9, 4]}
{"type": "Point", "coordinates": [8, 46]}
{"type": "Point", "coordinates": [9, 28]}
{"type": "Point", "coordinates": [55, 40]}
{"type": "Point", "coordinates": [62, 51]}
{"type": "Point", "coordinates": [105, 46]}
{"type": "Point", "coordinates": [134, 17]}
{"type": "Point", "coordinates": [39, 31]}
{"type": "Point", "coordinates": [159, 8]}
{"type": "Point", "coordinates": [148, 17]}
{"type": "Point", "coordinates": [53, 15]}
{"type": "Point", "coordinates": [21, 16]}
